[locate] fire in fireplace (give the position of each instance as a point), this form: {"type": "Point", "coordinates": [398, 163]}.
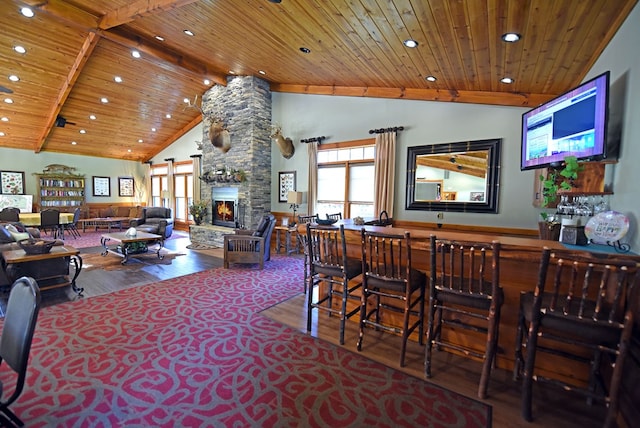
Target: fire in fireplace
{"type": "Point", "coordinates": [224, 206]}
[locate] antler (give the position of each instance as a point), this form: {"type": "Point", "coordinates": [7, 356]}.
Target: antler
{"type": "Point", "coordinates": [194, 105]}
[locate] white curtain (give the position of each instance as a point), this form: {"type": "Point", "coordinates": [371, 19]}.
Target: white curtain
{"type": "Point", "coordinates": [170, 186]}
{"type": "Point", "coordinates": [385, 171]}
{"type": "Point", "coordinates": [197, 167]}
{"type": "Point", "coordinates": [312, 191]}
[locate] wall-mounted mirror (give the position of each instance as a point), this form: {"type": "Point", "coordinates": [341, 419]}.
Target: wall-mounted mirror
{"type": "Point", "coordinates": [461, 177]}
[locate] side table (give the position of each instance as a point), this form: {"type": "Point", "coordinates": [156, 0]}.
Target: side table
{"type": "Point", "coordinates": [289, 232]}
{"type": "Point", "coordinates": [50, 270]}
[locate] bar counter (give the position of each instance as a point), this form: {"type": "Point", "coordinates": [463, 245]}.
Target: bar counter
{"type": "Point", "coordinates": [519, 263]}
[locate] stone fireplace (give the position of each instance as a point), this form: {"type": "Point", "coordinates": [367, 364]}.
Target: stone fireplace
{"type": "Point", "coordinates": [244, 106]}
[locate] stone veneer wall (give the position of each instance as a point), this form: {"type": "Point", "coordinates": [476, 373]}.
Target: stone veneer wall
{"type": "Point", "coordinates": [245, 107]}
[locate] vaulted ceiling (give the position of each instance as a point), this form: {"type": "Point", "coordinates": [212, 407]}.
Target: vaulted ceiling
{"type": "Point", "coordinates": [75, 49]}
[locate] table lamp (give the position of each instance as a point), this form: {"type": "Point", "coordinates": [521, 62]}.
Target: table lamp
{"type": "Point", "coordinates": [295, 199]}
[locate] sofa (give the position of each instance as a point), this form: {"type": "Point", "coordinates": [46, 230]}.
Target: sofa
{"type": "Point", "coordinates": [156, 220]}
{"type": "Point", "coordinates": [8, 241]}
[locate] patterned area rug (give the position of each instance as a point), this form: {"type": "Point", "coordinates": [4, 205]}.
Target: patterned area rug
{"type": "Point", "coordinates": [194, 351]}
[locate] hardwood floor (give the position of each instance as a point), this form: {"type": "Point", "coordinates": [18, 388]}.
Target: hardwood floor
{"type": "Point", "coordinates": [552, 407]}
{"type": "Point", "coordinates": [97, 281]}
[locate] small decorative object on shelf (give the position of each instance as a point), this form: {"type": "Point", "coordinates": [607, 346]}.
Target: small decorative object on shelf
{"type": "Point", "coordinates": [224, 175]}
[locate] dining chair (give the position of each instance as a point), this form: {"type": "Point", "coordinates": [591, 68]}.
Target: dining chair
{"type": "Point", "coordinates": [465, 293]}
{"type": "Point", "coordinates": [15, 343]}
{"type": "Point", "coordinates": [302, 243]}
{"type": "Point", "coordinates": [336, 216]}
{"type": "Point", "coordinates": [332, 269]}
{"type": "Point", "coordinates": [582, 309]}
{"type": "Point", "coordinates": [73, 226]}
{"type": "Point", "coordinates": [50, 221]}
{"type": "Point", "coordinates": [395, 286]}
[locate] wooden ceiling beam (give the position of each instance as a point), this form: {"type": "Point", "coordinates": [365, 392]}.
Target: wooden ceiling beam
{"type": "Point", "coordinates": [475, 97]}
{"type": "Point", "coordinates": [139, 9]}
{"type": "Point", "coordinates": [81, 59]}
{"type": "Point", "coordinates": [133, 41]}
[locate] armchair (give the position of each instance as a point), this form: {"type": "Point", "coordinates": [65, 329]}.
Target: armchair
{"type": "Point", "coordinates": [250, 246]}
{"type": "Point", "coordinates": [156, 220]}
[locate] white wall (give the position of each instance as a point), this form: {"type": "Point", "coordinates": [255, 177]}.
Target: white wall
{"type": "Point", "coordinates": [183, 147]}
{"type": "Point", "coordinates": [30, 162]}
{"type": "Point", "coordinates": [621, 58]}
{"type": "Point", "coordinates": [424, 122]}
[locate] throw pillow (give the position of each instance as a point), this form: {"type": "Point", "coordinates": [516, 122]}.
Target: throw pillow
{"type": "Point", "coordinates": [15, 234]}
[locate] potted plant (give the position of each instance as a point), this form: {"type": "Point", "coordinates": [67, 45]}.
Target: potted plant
{"type": "Point", "coordinates": [199, 210]}
{"type": "Point", "coordinates": [557, 180]}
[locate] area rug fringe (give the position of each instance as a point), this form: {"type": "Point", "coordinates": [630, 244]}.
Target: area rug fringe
{"type": "Point", "coordinates": [194, 351]}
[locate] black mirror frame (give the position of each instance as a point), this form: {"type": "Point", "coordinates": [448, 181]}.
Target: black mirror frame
{"type": "Point", "coordinates": [492, 189]}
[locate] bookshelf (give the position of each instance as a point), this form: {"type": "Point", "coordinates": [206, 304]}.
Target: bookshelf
{"type": "Point", "coordinates": [62, 190]}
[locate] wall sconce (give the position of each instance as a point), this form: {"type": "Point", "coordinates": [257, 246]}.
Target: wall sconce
{"type": "Point", "coordinates": [295, 199]}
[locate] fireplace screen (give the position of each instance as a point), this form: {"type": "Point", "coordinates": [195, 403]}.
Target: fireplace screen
{"type": "Point", "coordinates": [225, 206]}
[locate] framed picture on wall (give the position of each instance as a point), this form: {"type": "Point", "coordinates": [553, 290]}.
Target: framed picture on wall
{"type": "Point", "coordinates": [125, 186]}
{"type": "Point", "coordinates": [12, 182]}
{"type": "Point", "coordinates": [286, 183]}
{"type": "Point", "coordinates": [101, 186]}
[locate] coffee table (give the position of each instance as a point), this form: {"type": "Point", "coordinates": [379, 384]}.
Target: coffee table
{"type": "Point", "coordinates": [131, 246]}
{"type": "Point", "coordinates": [50, 270]}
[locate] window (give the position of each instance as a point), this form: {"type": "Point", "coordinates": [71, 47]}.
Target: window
{"type": "Point", "coordinates": [345, 178]}
{"type": "Point", "coordinates": [182, 187]}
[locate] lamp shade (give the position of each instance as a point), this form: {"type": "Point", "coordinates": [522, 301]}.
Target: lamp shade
{"type": "Point", "coordinates": [165, 194]}
{"type": "Point", "coordinates": [294, 197]}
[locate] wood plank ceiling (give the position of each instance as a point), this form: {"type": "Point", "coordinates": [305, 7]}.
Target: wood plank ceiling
{"type": "Point", "coordinates": [76, 48]}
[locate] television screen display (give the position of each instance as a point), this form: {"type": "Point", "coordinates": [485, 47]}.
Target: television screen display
{"type": "Point", "coordinates": [573, 124]}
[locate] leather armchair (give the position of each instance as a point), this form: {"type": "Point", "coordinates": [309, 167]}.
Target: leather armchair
{"type": "Point", "coordinates": [156, 220]}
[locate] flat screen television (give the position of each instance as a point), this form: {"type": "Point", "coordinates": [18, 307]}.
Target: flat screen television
{"type": "Point", "coordinates": [572, 124]}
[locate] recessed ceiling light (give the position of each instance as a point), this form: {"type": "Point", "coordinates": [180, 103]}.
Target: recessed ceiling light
{"type": "Point", "coordinates": [153, 129]}
{"type": "Point", "coordinates": [82, 131]}
{"type": "Point", "coordinates": [410, 43]}
{"type": "Point", "coordinates": [506, 80]}
{"type": "Point", "coordinates": [140, 140]}
{"type": "Point", "coordinates": [92, 116]}
{"type": "Point", "coordinates": [104, 100]}
{"type": "Point", "coordinates": [188, 32]}
{"type": "Point", "coordinates": [14, 78]}
{"type": "Point", "coordinates": [186, 100]}
{"type": "Point", "coordinates": [207, 81]}
{"type": "Point", "coordinates": [168, 116]}
{"type": "Point", "coordinates": [4, 119]}
{"type": "Point", "coordinates": [129, 150]}
{"type": "Point", "coordinates": [431, 78]}
{"type": "Point", "coordinates": [19, 49]}
{"type": "Point", "coordinates": [8, 100]}
{"type": "Point", "coordinates": [160, 38]}
{"type": "Point", "coordinates": [73, 143]}
{"type": "Point", "coordinates": [262, 72]}
{"type": "Point", "coordinates": [2, 134]}
{"type": "Point", "coordinates": [135, 54]}
{"type": "Point", "coordinates": [511, 37]}
{"type": "Point", "coordinates": [118, 79]}
{"type": "Point", "coordinates": [305, 50]}
{"type": "Point", "coordinates": [25, 11]}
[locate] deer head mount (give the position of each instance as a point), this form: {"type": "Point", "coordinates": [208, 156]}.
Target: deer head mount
{"type": "Point", "coordinates": [285, 145]}
{"type": "Point", "coordinates": [218, 134]}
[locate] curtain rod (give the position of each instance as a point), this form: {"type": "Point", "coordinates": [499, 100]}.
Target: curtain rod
{"type": "Point", "coordinates": [313, 140]}
{"type": "Point", "coordinates": [383, 130]}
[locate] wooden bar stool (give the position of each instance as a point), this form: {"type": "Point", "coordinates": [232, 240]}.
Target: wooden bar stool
{"type": "Point", "coordinates": [465, 293]}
